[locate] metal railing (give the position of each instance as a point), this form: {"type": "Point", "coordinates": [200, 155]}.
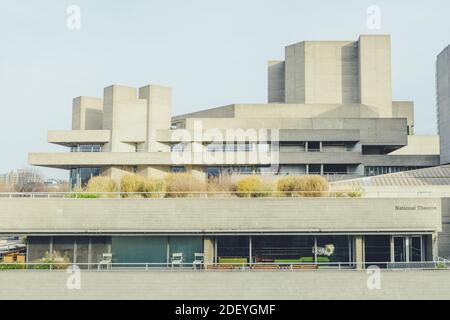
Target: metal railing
{"type": "Point", "coordinates": [237, 266]}
{"type": "Point", "coordinates": [355, 193]}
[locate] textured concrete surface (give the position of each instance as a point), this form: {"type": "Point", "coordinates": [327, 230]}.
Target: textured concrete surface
{"type": "Point", "coordinates": [272, 285]}
{"type": "Point", "coordinates": [351, 215]}
{"type": "Point", "coordinates": [443, 101]}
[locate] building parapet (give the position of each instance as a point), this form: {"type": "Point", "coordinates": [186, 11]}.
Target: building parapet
{"type": "Point", "coordinates": [216, 215]}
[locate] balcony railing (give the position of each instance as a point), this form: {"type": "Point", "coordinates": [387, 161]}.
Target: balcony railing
{"type": "Point", "coordinates": [227, 194]}
{"type": "Point", "coordinates": [208, 267]}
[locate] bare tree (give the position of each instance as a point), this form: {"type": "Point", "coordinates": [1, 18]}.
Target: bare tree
{"type": "Point", "coordinates": [27, 180]}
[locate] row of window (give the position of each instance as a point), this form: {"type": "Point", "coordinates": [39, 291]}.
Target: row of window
{"type": "Point", "coordinates": [225, 147]}
{"type": "Point", "coordinates": [379, 170]}
{"type": "Point", "coordinates": [86, 148]}
{"type": "Point", "coordinates": [314, 146]}
{"type": "Point", "coordinates": [80, 176]}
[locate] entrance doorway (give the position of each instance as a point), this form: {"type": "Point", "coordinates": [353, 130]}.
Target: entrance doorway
{"type": "Point", "coordinates": [407, 249]}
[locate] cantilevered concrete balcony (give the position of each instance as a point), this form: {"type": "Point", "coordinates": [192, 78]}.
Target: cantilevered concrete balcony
{"type": "Point", "coordinates": [89, 159]}
{"type": "Point", "coordinates": [71, 137]}
{"type": "Point", "coordinates": [98, 159]}
{"type": "Point", "coordinates": [285, 135]}
{"type": "Point", "coordinates": [401, 160]}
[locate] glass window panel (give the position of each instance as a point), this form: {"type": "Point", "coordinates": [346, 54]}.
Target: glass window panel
{"type": "Point", "coordinates": [38, 247]}
{"type": "Point", "coordinates": [188, 246]}
{"type": "Point", "coordinates": [399, 249]}
{"type": "Point", "coordinates": [333, 248]}
{"type": "Point", "coordinates": [82, 254]}
{"type": "Point", "coordinates": [139, 249]}
{"type": "Point", "coordinates": [270, 248]}
{"type": "Point", "coordinates": [377, 249]}
{"type": "Point", "coordinates": [63, 247]}
{"type": "Point", "coordinates": [415, 245]}
{"type": "Point", "coordinates": [99, 246]}
{"type": "Point", "coordinates": [314, 169]}
{"type": "Point", "coordinates": [233, 247]}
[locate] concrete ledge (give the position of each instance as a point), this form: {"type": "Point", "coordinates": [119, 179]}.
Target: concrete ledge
{"type": "Point", "coordinates": [266, 285]}
{"type": "Point", "coordinates": [78, 136]}
{"type": "Point", "coordinates": [220, 215]}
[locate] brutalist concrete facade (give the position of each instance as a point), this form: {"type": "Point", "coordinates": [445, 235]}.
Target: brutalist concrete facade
{"type": "Point", "coordinates": [443, 103]}
{"type": "Point", "coordinates": [330, 104]}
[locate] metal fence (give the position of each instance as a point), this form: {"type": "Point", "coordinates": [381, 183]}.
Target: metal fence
{"type": "Point", "coordinates": [269, 266]}
{"type": "Point", "coordinates": [228, 194]}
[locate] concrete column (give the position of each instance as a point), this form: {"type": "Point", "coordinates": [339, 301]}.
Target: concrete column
{"type": "Point", "coordinates": [159, 105]}
{"type": "Point", "coordinates": [359, 252]}
{"type": "Point", "coordinates": [435, 246]}
{"type": "Point", "coordinates": [208, 249]}
{"type": "Point", "coordinates": [198, 172]}
{"type": "Point", "coordinates": [156, 172]}
{"type": "Point", "coordinates": [87, 113]}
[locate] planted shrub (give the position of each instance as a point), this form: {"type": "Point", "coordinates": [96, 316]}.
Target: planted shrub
{"type": "Point", "coordinates": [222, 184]}
{"type": "Point", "coordinates": [180, 185]}
{"type": "Point", "coordinates": [307, 186]}
{"type": "Point", "coordinates": [79, 193]}
{"type": "Point", "coordinates": [12, 266]}
{"type": "Point", "coordinates": [253, 187]}
{"type": "Point", "coordinates": [52, 261]}
{"type": "Point", "coordinates": [101, 184]}
{"type": "Point", "coordinates": [355, 193]}
{"type": "Point", "coordinates": [153, 188]}
{"type": "Point", "coordinates": [131, 183]}
{"type": "Point", "coordinates": [290, 184]}
{"type": "Point", "coordinates": [316, 186]}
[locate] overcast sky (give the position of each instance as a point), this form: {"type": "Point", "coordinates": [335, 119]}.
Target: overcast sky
{"type": "Point", "coordinates": [210, 52]}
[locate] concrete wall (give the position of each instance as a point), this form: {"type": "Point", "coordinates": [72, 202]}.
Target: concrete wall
{"type": "Point", "coordinates": [87, 113]}
{"type": "Point", "coordinates": [276, 89]}
{"type": "Point", "coordinates": [444, 236]}
{"type": "Point", "coordinates": [125, 116]}
{"type": "Point", "coordinates": [404, 109]}
{"type": "Point", "coordinates": [420, 145]}
{"type": "Point", "coordinates": [443, 101]}
{"type": "Point", "coordinates": [375, 81]}
{"type": "Point", "coordinates": [259, 285]}
{"type": "Point", "coordinates": [373, 131]}
{"type": "Point", "coordinates": [158, 113]}
{"type": "Point", "coordinates": [79, 136]}
{"type": "Point", "coordinates": [295, 73]}
{"type": "Point", "coordinates": [316, 215]}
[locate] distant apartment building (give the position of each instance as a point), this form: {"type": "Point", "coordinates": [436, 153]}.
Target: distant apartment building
{"type": "Point", "coordinates": [20, 177]}
{"type": "Point", "coordinates": [330, 111]}
{"type": "Point", "coordinates": [443, 103]}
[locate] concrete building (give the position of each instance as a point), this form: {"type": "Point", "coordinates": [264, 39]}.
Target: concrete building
{"type": "Point", "coordinates": [392, 232]}
{"type": "Point", "coordinates": [443, 103]}
{"type": "Point", "coordinates": [330, 112]}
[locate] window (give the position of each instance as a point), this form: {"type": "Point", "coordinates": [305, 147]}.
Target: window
{"type": "Point", "coordinates": [233, 247]}
{"type": "Point", "coordinates": [177, 169]}
{"type": "Point", "coordinates": [180, 147]}
{"type": "Point", "coordinates": [314, 146]}
{"type": "Point", "coordinates": [375, 171]}
{"type": "Point", "coordinates": [79, 177]}
{"type": "Point", "coordinates": [86, 148]}
{"type": "Point", "coordinates": [335, 169]}
{"type": "Point", "coordinates": [314, 169]}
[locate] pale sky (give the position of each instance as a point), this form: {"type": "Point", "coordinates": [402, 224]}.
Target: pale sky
{"type": "Point", "coordinates": [210, 52]}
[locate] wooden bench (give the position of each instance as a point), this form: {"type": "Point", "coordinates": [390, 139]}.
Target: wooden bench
{"type": "Point", "coordinates": [305, 267]}
{"type": "Point", "coordinates": [265, 267]}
